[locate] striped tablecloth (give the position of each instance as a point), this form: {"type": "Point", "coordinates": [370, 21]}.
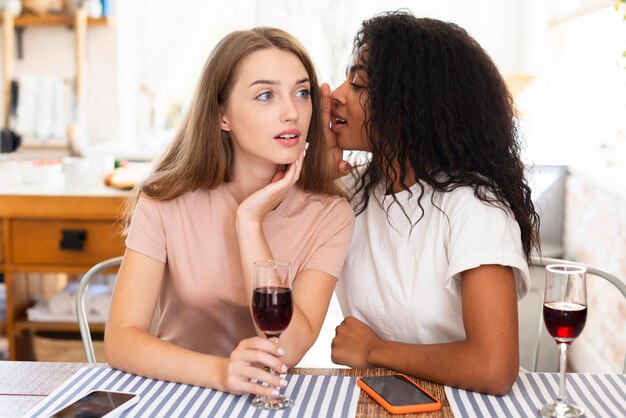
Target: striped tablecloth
{"type": "Point", "coordinates": [315, 396]}
{"type": "Point", "coordinates": [600, 395]}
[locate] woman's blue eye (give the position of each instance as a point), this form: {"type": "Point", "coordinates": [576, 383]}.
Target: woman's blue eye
{"type": "Point", "coordinates": [264, 96]}
{"type": "Point", "coordinates": [303, 93]}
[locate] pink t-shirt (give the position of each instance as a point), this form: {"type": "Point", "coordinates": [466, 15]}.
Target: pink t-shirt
{"type": "Point", "coordinates": [202, 303]}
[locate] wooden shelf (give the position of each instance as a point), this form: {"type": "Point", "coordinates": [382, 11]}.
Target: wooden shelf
{"type": "Point", "coordinates": [40, 20]}
{"type": "Point", "coordinates": [25, 325]}
{"type": "Point", "coordinates": [11, 32]}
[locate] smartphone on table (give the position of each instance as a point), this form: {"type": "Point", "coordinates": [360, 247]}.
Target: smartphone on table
{"type": "Point", "coordinates": [98, 403]}
{"type": "Point", "coordinates": [398, 394]}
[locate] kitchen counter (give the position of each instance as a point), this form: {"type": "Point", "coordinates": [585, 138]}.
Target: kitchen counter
{"type": "Point", "coordinates": [36, 190]}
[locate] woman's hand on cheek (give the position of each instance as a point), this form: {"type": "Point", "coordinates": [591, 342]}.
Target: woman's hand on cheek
{"type": "Point", "coordinates": [260, 203]}
{"type": "Point", "coordinates": [352, 343]}
{"type": "Point", "coordinates": [246, 362]}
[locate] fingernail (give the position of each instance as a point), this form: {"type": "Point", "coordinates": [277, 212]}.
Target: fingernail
{"type": "Point", "coordinates": [283, 382]}
{"type": "Point", "coordinates": [344, 165]}
{"type": "Point", "coordinates": [275, 392]}
{"type": "Point", "coordinates": [284, 369]}
{"type": "Point", "coordinates": [281, 351]}
{"type": "Point", "coordinates": [296, 163]}
{"type": "Point", "coordinates": [303, 153]}
{"type": "Point", "coordinates": [306, 146]}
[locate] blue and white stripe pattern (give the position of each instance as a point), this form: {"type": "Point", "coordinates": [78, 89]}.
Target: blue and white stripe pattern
{"type": "Point", "coordinates": [600, 395]}
{"type": "Point", "coordinates": [315, 396]}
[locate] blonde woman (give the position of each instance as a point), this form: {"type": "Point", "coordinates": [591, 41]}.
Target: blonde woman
{"type": "Point", "coordinates": [233, 188]}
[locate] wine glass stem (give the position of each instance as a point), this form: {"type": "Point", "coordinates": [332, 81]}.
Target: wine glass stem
{"type": "Point", "coordinates": [562, 366]}
{"type": "Point", "coordinates": [272, 371]}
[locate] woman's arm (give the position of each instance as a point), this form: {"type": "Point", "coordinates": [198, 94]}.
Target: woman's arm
{"type": "Point", "coordinates": [486, 361]}
{"type": "Point", "coordinates": [129, 346]}
{"type": "Point", "coordinates": [312, 292]}
{"type": "Point", "coordinates": [309, 312]}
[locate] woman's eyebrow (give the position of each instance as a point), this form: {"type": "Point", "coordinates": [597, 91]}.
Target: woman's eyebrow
{"type": "Point", "coordinates": [272, 82]}
{"type": "Point", "coordinates": [354, 68]}
{"type": "Point", "coordinates": [357, 67]}
{"type": "Point", "coordinates": [277, 83]}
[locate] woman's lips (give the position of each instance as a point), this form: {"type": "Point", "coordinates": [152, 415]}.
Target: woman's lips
{"type": "Point", "coordinates": [337, 123]}
{"type": "Point", "coordinates": [289, 137]}
{"type": "Point", "coordinates": [288, 142]}
{"type": "Point", "coordinates": [336, 127]}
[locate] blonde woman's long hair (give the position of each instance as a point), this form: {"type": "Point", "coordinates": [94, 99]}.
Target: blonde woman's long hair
{"type": "Point", "coordinates": [201, 154]}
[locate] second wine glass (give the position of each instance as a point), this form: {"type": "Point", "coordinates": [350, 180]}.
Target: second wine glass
{"type": "Point", "coordinates": [565, 314]}
{"type": "Point", "coordinates": [272, 309]}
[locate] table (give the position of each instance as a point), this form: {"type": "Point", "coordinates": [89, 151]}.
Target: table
{"type": "Point", "coordinates": [23, 384]}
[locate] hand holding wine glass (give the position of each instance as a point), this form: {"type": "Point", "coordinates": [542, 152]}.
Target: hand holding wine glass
{"type": "Point", "coordinates": [272, 309]}
{"type": "Point", "coordinates": [565, 314]}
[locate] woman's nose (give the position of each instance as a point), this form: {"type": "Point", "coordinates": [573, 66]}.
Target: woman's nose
{"type": "Point", "coordinates": [289, 111]}
{"type": "Point", "coordinates": [338, 95]}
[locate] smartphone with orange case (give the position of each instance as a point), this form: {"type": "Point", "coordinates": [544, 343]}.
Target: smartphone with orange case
{"type": "Point", "coordinates": [398, 394]}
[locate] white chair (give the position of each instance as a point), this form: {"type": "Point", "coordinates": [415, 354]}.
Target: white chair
{"type": "Point", "coordinates": [81, 311]}
{"type": "Point", "coordinates": [537, 347]}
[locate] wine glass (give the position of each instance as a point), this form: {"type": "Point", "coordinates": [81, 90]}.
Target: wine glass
{"type": "Point", "coordinates": [272, 309]}
{"type": "Point", "coordinates": [565, 314]}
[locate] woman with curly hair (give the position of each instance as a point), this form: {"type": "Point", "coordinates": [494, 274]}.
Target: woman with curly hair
{"type": "Point", "coordinates": [445, 224]}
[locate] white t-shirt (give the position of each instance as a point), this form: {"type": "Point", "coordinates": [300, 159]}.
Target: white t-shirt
{"type": "Point", "coordinates": [406, 287]}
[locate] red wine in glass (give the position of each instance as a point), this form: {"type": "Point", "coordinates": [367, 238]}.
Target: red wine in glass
{"type": "Point", "coordinates": [564, 320]}
{"type": "Point", "coordinates": [565, 314]}
{"type": "Point", "coordinates": [272, 309]}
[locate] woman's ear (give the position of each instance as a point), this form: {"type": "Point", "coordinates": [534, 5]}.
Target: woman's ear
{"type": "Point", "coordinates": [224, 125]}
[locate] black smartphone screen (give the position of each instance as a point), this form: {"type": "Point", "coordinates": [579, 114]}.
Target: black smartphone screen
{"type": "Point", "coordinates": [397, 390]}
{"type": "Point", "coordinates": [95, 404]}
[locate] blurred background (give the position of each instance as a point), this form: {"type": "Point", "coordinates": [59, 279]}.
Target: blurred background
{"type": "Point", "coordinates": [563, 60]}
{"type": "Point", "coordinates": [94, 86]}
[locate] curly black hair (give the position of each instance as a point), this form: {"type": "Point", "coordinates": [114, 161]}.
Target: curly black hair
{"type": "Point", "coordinates": [438, 103]}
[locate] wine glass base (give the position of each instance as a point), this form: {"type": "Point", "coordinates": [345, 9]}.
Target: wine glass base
{"type": "Point", "coordinates": [273, 403]}
{"type": "Point", "coordinates": [561, 409]}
